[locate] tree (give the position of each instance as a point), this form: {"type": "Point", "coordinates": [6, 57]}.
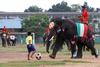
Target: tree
{"type": "Point", "coordinates": [76, 7]}
{"type": "Point", "coordinates": [90, 9]}
{"type": "Point", "coordinates": [33, 9]}
{"type": "Point", "coordinates": [60, 7]}
{"type": "Point", "coordinates": [97, 9]}
{"type": "Point", "coordinates": [36, 24]}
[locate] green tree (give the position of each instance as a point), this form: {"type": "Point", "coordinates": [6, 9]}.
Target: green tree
{"type": "Point", "coordinates": [36, 24]}
{"type": "Point", "coordinates": [89, 8]}
{"type": "Point", "coordinates": [76, 7]}
{"type": "Point", "coordinates": [60, 7]}
{"type": "Point", "coordinates": [33, 9]}
{"type": "Point", "coordinates": [97, 9]}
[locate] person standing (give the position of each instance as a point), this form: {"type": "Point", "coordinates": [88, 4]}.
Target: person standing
{"type": "Point", "coordinates": [4, 36]}
{"type": "Point", "coordinates": [8, 39]}
{"type": "Point", "coordinates": [4, 39]}
{"type": "Point", "coordinates": [13, 39]}
{"type": "Point", "coordinates": [31, 49]}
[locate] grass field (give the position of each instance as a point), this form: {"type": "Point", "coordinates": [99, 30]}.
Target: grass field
{"type": "Point", "coordinates": [16, 56]}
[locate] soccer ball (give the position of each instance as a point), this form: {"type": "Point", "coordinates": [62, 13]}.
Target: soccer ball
{"type": "Point", "coordinates": [38, 56]}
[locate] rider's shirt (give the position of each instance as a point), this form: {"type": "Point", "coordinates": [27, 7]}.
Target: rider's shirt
{"type": "Point", "coordinates": [84, 16]}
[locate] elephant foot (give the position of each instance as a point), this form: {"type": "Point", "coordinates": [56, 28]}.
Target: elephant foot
{"type": "Point", "coordinates": [47, 51]}
{"type": "Point", "coordinates": [72, 57]}
{"type": "Point", "coordinates": [76, 57]}
{"type": "Point", "coordinates": [52, 56]}
{"type": "Point", "coordinates": [96, 56]}
{"type": "Point", "coordinates": [87, 49]}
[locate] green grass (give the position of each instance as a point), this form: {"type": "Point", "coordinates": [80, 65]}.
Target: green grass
{"type": "Point", "coordinates": [18, 48]}
{"type": "Point", "coordinates": [40, 48]}
{"type": "Point", "coordinates": [31, 64]}
{"type": "Point", "coordinates": [38, 63]}
{"type": "Point", "coordinates": [73, 61]}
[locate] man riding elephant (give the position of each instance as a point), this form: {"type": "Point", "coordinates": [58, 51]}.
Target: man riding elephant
{"type": "Point", "coordinates": [84, 19]}
{"type": "Point", "coordinates": [84, 15]}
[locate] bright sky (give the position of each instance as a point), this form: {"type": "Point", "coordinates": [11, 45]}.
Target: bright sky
{"type": "Point", "coordinates": [21, 5]}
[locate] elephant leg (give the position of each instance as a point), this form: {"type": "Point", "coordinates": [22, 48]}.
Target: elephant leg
{"type": "Point", "coordinates": [44, 42]}
{"type": "Point", "coordinates": [73, 50]}
{"type": "Point", "coordinates": [94, 51]}
{"type": "Point", "coordinates": [79, 50]}
{"type": "Point", "coordinates": [52, 46]}
{"type": "Point", "coordinates": [68, 43]}
{"type": "Point", "coordinates": [57, 47]}
{"type": "Point", "coordinates": [47, 46]}
{"type": "Point", "coordinates": [84, 47]}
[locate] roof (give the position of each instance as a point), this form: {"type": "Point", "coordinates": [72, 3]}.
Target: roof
{"type": "Point", "coordinates": [48, 13]}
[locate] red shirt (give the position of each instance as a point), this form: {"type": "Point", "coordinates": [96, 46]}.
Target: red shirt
{"type": "Point", "coordinates": [4, 30]}
{"type": "Point", "coordinates": [84, 16]}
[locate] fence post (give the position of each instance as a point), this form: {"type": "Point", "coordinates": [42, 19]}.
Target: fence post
{"type": "Point", "coordinates": [33, 36]}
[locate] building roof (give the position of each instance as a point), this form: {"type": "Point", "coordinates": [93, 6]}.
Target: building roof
{"type": "Point", "coordinates": [48, 13]}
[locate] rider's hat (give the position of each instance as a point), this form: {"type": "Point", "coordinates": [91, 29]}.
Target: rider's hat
{"type": "Point", "coordinates": [83, 6]}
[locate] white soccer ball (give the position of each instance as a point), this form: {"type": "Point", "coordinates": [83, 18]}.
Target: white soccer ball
{"type": "Point", "coordinates": [38, 56]}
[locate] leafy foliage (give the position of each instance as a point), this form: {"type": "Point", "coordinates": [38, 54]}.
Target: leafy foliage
{"type": "Point", "coordinates": [60, 7]}
{"type": "Point", "coordinates": [33, 9]}
{"type": "Point", "coordinates": [76, 7]}
{"type": "Point", "coordinates": [90, 9]}
{"type": "Point", "coordinates": [35, 24]}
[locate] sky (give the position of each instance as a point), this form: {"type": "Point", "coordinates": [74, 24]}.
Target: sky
{"type": "Point", "coordinates": [21, 5]}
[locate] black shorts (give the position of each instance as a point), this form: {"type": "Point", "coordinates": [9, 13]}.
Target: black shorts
{"type": "Point", "coordinates": [30, 48]}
